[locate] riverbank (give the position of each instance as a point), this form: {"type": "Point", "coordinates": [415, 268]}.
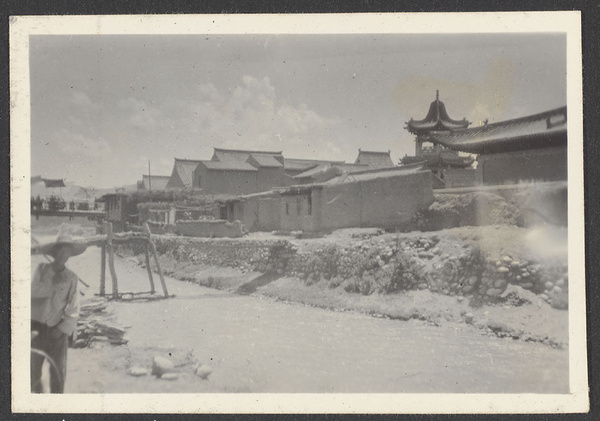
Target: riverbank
{"type": "Point", "coordinates": [260, 344]}
{"type": "Point", "coordinates": [276, 332]}
{"type": "Point", "coordinates": [459, 275]}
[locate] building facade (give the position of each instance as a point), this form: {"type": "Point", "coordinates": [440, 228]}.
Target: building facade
{"type": "Point", "coordinates": [386, 198]}
{"type": "Point", "coordinates": [530, 148]}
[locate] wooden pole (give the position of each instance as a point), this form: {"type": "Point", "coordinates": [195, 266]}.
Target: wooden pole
{"type": "Point", "coordinates": [158, 268]}
{"type": "Point", "coordinates": [147, 252]}
{"type": "Point", "coordinates": [102, 270]}
{"type": "Point", "coordinates": [111, 259]}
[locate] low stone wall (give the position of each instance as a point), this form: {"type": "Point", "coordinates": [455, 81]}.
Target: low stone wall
{"type": "Point", "coordinates": [210, 228]}
{"type": "Point", "coordinates": [382, 264]}
{"type": "Point", "coordinates": [388, 266]}
{"type": "Point", "coordinates": [245, 255]}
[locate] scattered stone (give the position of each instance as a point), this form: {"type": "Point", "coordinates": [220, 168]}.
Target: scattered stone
{"type": "Point", "coordinates": [500, 284]}
{"type": "Point", "coordinates": [493, 292]}
{"type": "Point", "coordinates": [527, 285]}
{"type": "Point", "coordinates": [169, 376]}
{"type": "Point", "coordinates": [161, 365]}
{"type": "Point", "coordinates": [203, 371]}
{"type": "Point", "coordinates": [548, 285]}
{"type": "Point", "coordinates": [502, 269]}
{"type": "Point", "coordinates": [423, 285]}
{"type": "Point", "coordinates": [137, 371]}
{"type": "Point", "coordinates": [469, 318]}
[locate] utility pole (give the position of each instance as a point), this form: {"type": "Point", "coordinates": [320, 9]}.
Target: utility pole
{"type": "Point", "coordinates": [149, 178]}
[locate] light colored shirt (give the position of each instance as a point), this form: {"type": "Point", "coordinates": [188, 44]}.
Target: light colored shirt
{"type": "Point", "coordinates": [54, 298]}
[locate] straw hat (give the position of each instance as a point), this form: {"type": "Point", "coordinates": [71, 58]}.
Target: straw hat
{"type": "Point", "coordinates": [62, 240]}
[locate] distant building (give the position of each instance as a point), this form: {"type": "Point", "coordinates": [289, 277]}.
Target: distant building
{"type": "Point", "coordinates": [324, 172]}
{"type": "Point", "coordinates": [374, 159]}
{"type": "Point", "coordinates": [387, 198]}
{"type": "Point", "coordinates": [529, 148]}
{"type": "Point", "coordinates": [233, 171]}
{"type": "Point", "coordinates": [153, 182]}
{"type": "Point", "coordinates": [295, 166]}
{"type": "Point", "coordinates": [243, 172]}
{"type": "Point", "coordinates": [183, 174]}
{"type": "Point", "coordinates": [450, 168]}
{"type": "Point", "coordinates": [119, 210]}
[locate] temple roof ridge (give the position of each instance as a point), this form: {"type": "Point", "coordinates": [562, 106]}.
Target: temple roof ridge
{"type": "Point", "coordinates": [437, 119]}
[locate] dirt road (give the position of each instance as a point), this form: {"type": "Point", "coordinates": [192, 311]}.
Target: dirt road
{"type": "Point", "coordinates": [260, 345]}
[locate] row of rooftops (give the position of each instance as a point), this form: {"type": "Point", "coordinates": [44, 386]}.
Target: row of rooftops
{"type": "Point", "coordinates": [344, 177]}
{"type": "Point", "coordinates": [252, 161]}
{"type": "Point", "coordinates": [540, 130]}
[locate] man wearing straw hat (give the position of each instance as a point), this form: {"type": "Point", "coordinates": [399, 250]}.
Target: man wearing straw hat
{"type": "Point", "coordinates": [54, 312]}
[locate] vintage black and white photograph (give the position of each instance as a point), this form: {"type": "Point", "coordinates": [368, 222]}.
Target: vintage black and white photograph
{"type": "Point", "coordinates": [367, 208]}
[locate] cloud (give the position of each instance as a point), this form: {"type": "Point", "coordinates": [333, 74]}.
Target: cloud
{"type": "Point", "coordinates": [141, 114]}
{"type": "Point", "coordinates": [82, 100]}
{"type": "Point", "coordinates": [253, 114]}
{"type": "Point", "coordinates": [80, 147]}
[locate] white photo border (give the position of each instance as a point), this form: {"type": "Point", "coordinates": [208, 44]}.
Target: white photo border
{"type": "Point", "coordinates": [21, 27]}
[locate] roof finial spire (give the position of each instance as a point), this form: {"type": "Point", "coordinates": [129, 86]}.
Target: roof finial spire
{"type": "Point", "coordinates": [437, 94]}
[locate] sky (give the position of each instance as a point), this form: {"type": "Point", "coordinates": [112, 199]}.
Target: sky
{"type": "Point", "coordinates": [104, 106]}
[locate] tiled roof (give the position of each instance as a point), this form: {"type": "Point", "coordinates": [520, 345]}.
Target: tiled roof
{"type": "Point", "coordinates": [320, 169]}
{"type": "Point", "coordinates": [183, 172]}
{"type": "Point", "coordinates": [241, 155]}
{"type": "Point", "coordinates": [346, 177]}
{"type": "Point", "coordinates": [54, 183]}
{"type": "Point", "coordinates": [437, 119]}
{"type": "Point", "coordinates": [159, 182]}
{"type": "Point", "coordinates": [374, 159]}
{"type": "Point", "coordinates": [535, 131]}
{"type": "Point", "coordinates": [228, 166]}
{"type": "Point", "coordinates": [375, 174]}
{"type": "Point", "coordinates": [296, 164]}
{"type": "Point", "coordinates": [439, 160]}
{"type": "Point", "coordinates": [262, 160]}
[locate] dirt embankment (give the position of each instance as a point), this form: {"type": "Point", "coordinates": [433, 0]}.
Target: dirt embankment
{"type": "Point", "coordinates": [504, 280]}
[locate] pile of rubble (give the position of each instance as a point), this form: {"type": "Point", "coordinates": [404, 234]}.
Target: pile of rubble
{"type": "Point", "coordinates": [94, 326]}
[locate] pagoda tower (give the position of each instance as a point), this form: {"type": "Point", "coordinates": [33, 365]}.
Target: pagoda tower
{"type": "Point", "coordinates": [437, 119]}
{"type": "Point", "coordinates": [437, 158]}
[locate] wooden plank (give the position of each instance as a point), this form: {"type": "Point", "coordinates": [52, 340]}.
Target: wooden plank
{"type": "Point", "coordinates": [158, 268]}
{"type": "Point", "coordinates": [100, 240]}
{"type": "Point", "coordinates": [111, 259]}
{"type": "Point", "coordinates": [102, 270]}
{"type": "Point", "coordinates": [147, 253]}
